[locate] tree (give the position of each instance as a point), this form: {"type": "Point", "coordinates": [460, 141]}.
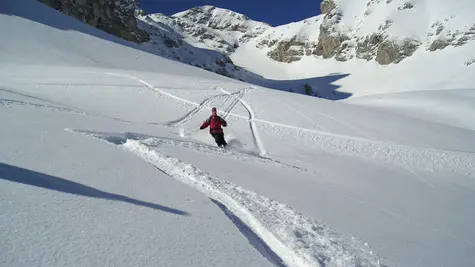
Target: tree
{"type": "Point", "coordinates": [308, 89]}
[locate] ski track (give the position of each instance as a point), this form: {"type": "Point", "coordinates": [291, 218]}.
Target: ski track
{"type": "Point", "coordinates": [234, 103]}
{"type": "Point", "coordinates": [259, 244]}
{"type": "Point", "coordinates": [189, 115]}
{"type": "Point", "coordinates": [8, 103]}
{"type": "Point", "coordinates": [55, 107]}
{"type": "Point", "coordinates": [408, 157]}
{"type": "Point", "coordinates": [153, 141]}
{"type": "Point", "coordinates": [7, 90]}
{"type": "Point", "coordinates": [292, 238]}
{"type": "Point", "coordinates": [251, 118]}
{"type": "Point", "coordinates": [255, 134]}
{"type": "Point", "coordinates": [303, 115]}
{"type": "Point", "coordinates": [403, 155]}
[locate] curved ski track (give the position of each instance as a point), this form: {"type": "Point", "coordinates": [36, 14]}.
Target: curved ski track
{"type": "Point", "coordinates": [293, 239]}
{"type": "Point", "coordinates": [255, 133]}
{"type": "Point", "coordinates": [189, 115]}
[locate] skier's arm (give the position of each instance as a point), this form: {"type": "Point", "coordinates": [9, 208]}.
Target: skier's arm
{"type": "Point", "coordinates": [223, 122]}
{"type": "Point", "coordinates": [204, 125]}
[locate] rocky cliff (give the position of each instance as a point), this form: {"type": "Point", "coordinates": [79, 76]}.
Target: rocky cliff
{"type": "Point", "coordinates": [389, 31]}
{"type": "Point", "coordinates": [116, 17]}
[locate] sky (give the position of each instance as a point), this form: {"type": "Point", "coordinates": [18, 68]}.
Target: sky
{"type": "Point", "coordinates": [274, 12]}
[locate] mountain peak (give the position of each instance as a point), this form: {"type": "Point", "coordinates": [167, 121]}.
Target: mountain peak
{"type": "Point", "coordinates": [210, 11]}
{"type": "Point", "coordinates": [219, 18]}
{"type": "Point", "coordinates": [207, 8]}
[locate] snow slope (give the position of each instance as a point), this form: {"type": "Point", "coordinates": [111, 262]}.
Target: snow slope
{"type": "Point", "coordinates": [102, 163]}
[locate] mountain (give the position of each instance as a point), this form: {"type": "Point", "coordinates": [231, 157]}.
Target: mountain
{"type": "Point", "coordinates": [392, 30]}
{"type": "Point", "coordinates": [385, 31]}
{"type": "Point", "coordinates": [359, 33]}
{"type": "Point", "coordinates": [304, 56]}
{"type": "Point", "coordinates": [102, 162]}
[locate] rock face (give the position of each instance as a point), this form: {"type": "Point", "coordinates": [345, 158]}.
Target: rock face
{"type": "Point", "coordinates": [327, 6]}
{"type": "Point", "coordinates": [394, 51]}
{"type": "Point", "coordinates": [330, 40]}
{"type": "Point", "coordinates": [343, 44]}
{"type": "Point", "coordinates": [167, 38]}
{"type": "Point", "coordinates": [116, 17]}
{"type": "Point", "coordinates": [341, 41]}
{"type": "Point", "coordinates": [290, 51]}
{"type": "Point", "coordinates": [443, 38]}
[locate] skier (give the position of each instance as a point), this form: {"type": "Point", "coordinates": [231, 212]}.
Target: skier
{"type": "Point", "coordinates": [215, 122]}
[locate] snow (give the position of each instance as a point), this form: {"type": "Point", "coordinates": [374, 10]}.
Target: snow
{"type": "Point", "coordinates": [306, 30]}
{"type": "Point", "coordinates": [102, 162]}
{"type": "Point", "coordinates": [453, 107]}
{"type": "Point", "coordinates": [408, 18]}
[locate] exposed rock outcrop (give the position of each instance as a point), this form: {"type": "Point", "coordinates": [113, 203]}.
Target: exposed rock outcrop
{"type": "Point", "coordinates": [331, 39]}
{"type": "Point", "coordinates": [116, 17]}
{"type": "Point", "coordinates": [392, 51]}
{"type": "Point", "coordinates": [368, 47]}
{"type": "Point", "coordinates": [327, 6]}
{"type": "Point", "coordinates": [342, 42]}
{"type": "Point", "coordinates": [290, 51]}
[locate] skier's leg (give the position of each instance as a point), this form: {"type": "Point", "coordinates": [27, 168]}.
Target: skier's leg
{"type": "Point", "coordinates": [222, 141]}
{"type": "Point", "coordinates": [216, 138]}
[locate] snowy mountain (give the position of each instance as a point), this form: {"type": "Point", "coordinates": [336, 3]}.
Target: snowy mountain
{"type": "Point", "coordinates": [301, 56]}
{"type": "Point", "coordinates": [102, 162]}
{"type": "Point", "coordinates": [387, 31]}
{"type": "Point", "coordinates": [360, 34]}
{"type": "Point", "coordinates": [203, 37]}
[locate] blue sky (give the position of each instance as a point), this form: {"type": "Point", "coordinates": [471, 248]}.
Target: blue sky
{"type": "Point", "coordinates": [274, 12]}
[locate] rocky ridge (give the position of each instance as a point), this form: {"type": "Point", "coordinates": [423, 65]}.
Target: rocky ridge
{"type": "Point", "coordinates": [116, 17]}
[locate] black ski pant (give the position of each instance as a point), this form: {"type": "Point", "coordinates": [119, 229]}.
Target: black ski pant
{"type": "Point", "coordinates": [219, 138]}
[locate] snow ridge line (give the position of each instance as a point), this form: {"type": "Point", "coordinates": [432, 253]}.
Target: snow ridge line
{"type": "Point", "coordinates": [255, 134]}
{"type": "Point", "coordinates": [298, 241]}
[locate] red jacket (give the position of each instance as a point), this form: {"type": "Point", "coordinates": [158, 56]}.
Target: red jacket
{"type": "Point", "coordinates": [214, 123]}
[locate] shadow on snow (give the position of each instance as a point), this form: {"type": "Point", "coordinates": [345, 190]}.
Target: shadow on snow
{"type": "Point", "coordinates": [252, 237]}
{"type": "Point", "coordinates": [29, 177]}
